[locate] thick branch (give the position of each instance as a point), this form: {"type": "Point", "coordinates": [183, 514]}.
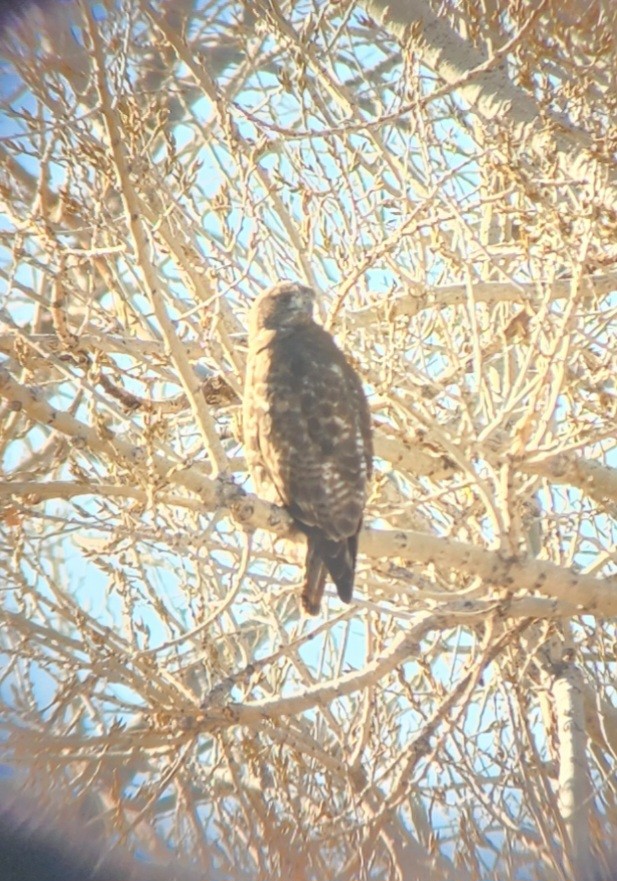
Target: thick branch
{"type": "Point", "coordinates": [491, 292]}
{"type": "Point", "coordinates": [103, 441]}
{"type": "Point", "coordinates": [597, 481]}
{"type": "Point", "coordinates": [512, 574]}
{"type": "Point", "coordinates": [575, 795]}
{"type": "Point", "coordinates": [38, 491]}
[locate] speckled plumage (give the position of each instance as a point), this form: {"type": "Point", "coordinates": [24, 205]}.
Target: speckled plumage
{"type": "Point", "coordinates": [307, 431]}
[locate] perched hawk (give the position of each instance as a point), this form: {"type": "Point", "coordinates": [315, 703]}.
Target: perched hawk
{"type": "Point", "coordinates": [307, 430]}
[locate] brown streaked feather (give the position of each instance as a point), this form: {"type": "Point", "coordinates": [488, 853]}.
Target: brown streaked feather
{"type": "Point", "coordinates": [314, 579]}
{"type": "Point", "coordinates": [308, 432]}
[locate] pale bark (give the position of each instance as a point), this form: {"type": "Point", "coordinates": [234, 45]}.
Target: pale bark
{"type": "Point", "coordinates": [575, 792]}
{"type": "Point", "coordinates": [485, 85]}
{"type": "Point", "coordinates": [442, 173]}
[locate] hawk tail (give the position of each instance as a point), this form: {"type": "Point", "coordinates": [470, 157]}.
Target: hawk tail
{"type": "Point", "coordinates": [338, 558]}
{"type": "Point", "coordinates": [314, 579]}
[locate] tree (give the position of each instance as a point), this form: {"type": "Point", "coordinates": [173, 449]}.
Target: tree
{"type": "Point", "coordinates": [444, 174]}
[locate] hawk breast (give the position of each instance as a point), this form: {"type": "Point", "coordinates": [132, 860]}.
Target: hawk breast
{"type": "Point", "coordinates": [308, 425]}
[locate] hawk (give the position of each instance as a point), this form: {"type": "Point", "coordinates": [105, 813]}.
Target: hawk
{"type": "Point", "coordinates": [307, 431]}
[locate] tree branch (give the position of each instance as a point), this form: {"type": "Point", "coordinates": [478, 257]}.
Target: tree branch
{"type": "Point", "coordinates": [488, 89]}
{"type": "Point", "coordinates": [152, 283]}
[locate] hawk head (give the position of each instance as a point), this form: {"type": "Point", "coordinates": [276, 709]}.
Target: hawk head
{"type": "Point", "coordinates": [287, 304]}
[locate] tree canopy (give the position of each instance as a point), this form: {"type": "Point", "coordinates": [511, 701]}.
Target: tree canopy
{"type": "Point", "coordinates": [444, 175]}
